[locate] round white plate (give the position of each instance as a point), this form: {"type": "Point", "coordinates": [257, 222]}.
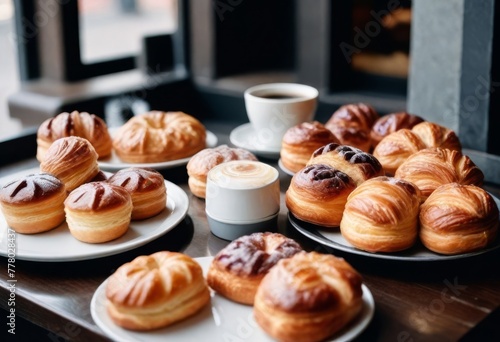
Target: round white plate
{"type": "Point", "coordinates": [244, 136]}
{"type": "Point", "coordinates": [59, 245]}
{"type": "Point", "coordinates": [222, 320]}
{"type": "Point", "coordinates": [114, 163]}
{"type": "Point", "coordinates": [284, 169]}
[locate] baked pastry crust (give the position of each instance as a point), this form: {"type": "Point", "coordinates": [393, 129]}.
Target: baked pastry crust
{"type": "Point", "coordinates": [73, 160]}
{"type": "Point", "coordinates": [147, 189]}
{"type": "Point", "coordinates": [458, 219]}
{"type": "Point", "coordinates": [157, 290]}
{"type": "Point", "coordinates": [434, 135]}
{"type": "Point", "coordinates": [237, 270]}
{"type": "Point", "coordinates": [318, 193]}
{"type": "Point", "coordinates": [203, 161]}
{"type": "Point", "coordinates": [33, 203]}
{"type": "Point", "coordinates": [381, 215]}
{"type": "Point", "coordinates": [390, 123]}
{"type": "Point", "coordinates": [158, 137]}
{"type": "Point", "coordinates": [81, 124]}
{"type": "Point", "coordinates": [300, 141]}
{"type": "Point", "coordinates": [308, 297]}
{"type": "Point", "coordinates": [98, 212]}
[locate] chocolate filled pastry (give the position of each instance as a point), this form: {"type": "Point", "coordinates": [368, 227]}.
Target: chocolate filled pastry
{"type": "Point", "coordinates": [432, 167]}
{"type": "Point", "coordinates": [98, 212]}
{"type": "Point", "coordinates": [458, 219]}
{"type": "Point", "coordinates": [147, 189]}
{"type": "Point", "coordinates": [381, 215]}
{"type": "Point", "coordinates": [308, 298]}
{"type": "Point", "coordinates": [157, 136]}
{"type": "Point", "coordinates": [73, 160]}
{"type": "Point", "coordinates": [81, 124]}
{"type": "Point", "coordinates": [351, 124]}
{"type": "Point", "coordinates": [33, 203]}
{"type": "Point", "coordinates": [390, 123]}
{"type": "Point", "coordinates": [155, 291]}
{"type": "Point", "coordinates": [300, 141]}
{"type": "Point", "coordinates": [318, 193]}
{"type": "Point", "coordinates": [237, 270]}
{"type": "Point", "coordinates": [203, 161]}
{"type": "Point", "coordinates": [359, 165]}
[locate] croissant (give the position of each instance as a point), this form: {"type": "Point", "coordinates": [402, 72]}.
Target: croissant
{"type": "Point", "coordinates": [434, 135]}
{"type": "Point", "coordinates": [458, 219]}
{"type": "Point", "coordinates": [390, 123]}
{"type": "Point", "coordinates": [431, 167]}
{"type": "Point", "coordinates": [381, 215]}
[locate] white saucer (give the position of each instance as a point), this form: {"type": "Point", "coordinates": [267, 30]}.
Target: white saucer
{"type": "Point", "coordinates": [284, 169]}
{"type": "Point", "coordinates": [245, 137]}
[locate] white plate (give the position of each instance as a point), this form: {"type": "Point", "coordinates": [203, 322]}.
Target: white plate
{"type": "Point", "coordinates": [59, 245]}
{"type": "Point", "coordinates": [222, 320]}
{"type": "Point", "coordinates": [244, 136]}
{"type": "Point", "coordinates": [114, 163]}
{"type": "Point", "coordinates": [284, 169]}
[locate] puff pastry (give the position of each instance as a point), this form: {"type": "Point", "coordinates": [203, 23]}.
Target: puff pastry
{"type": "Point", "coordinates": [390, 123]}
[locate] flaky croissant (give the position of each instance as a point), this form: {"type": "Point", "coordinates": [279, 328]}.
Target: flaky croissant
{"type": "Point", "coordinates": [390, 123]}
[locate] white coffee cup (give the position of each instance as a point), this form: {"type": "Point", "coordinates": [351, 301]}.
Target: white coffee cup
{"type": "Point", "coordinates": [273, 108]}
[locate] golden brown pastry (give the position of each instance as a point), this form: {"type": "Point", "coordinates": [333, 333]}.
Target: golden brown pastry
{"type": "Point", "coordinates": [300, 141]}
{"type": "Point", "coordinates": [390, 123]}
{"type": "Point", "coordinates": [431, 167]}
{"type": "Point", "coordinates": [73, 160]}
{"type": "Point", "coordinates": [351, 124]}
{"type": "Point", "coordinates": [98, 212]}
{"type": "Point", "coordinates": [318, 193]}
{"type": "Point", "coordinates": [237, 270]}
{"type": "Point", "coordinates": [308, 298]}
{"type": "Point", "coordinates": [434, 135]}
{"type": "Point", "coordinates": [359, 165]}
{"type": "Point", "coordinates": [85, 125]}
{"type": "Point", "coordinates": [203, 161]}
{"type": "Point", "coordinates": [381, 215]}
{"type": "Point", "coordinates": [158, 137]}
{"type": "Point", "coordinates": [147, 189]}
{"type": "Point", "coordinates": [157, 290]}
{"type": "Point", "coordinates": [458, 219]}
{"type": "Point", "coordinates": [33, 203]}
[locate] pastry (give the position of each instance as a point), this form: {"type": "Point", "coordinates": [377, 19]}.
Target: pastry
{"type": "Point", "coordinates": [390, 123]}
{"type": "Point", "coordinates": [73, 160]}
{"type": "Point", "coordinates": [147, 189]}
{"type": "Point", "coordinates": [98, 212]}
{"type": "Point", "coordinates": [318, 193]}
{"type": "Point", "coordinates": [351, 124]}
{"type": "Point", "coordinates": [308, 298]}
{"type": "Point", "coordinates": [157, 136]}
{"type": "Point", "coordinates": [33, 203]}
{"type": "Point", "coordinates": [458, 219]}
{"type": "Point", "coordinates": [434, 135]}
{"type": "Point", "coordinates": [431, 167]}
{"type": "Point", "coordinates": [85, 125]}
{"type": "Point", "coordinates": [359, 165]}
{"type": "Point", "coordinates": [157, 290]}
{"type": "Point", "coordinates": [203, 161]}
{"type": "Point", "coordinates": [300, 141]}
{"type": "Point", "coordinates": [237, 270]}
{"type": "Point", "coordinates": [381, 215]}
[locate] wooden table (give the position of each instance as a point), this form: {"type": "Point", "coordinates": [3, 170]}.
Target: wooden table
{"type": "Point", "coordinates": [415, 301]}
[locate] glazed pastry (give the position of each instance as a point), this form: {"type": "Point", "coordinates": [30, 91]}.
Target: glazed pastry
{"type": "Point", "coordinates": [158, 137]}
{"type": "Point", "coordinates": [431, 167]}
{"type": "Point", "coordinates": [147, 189]}
{"type": "Point", "coordinates": [458, 219]}
{"type": "Point", "coordinates": [390, 123]}
{"type": "Point", "coordinates": [351, 124]}
{"type": "Point", "coordinates": [434, 135]}
{"type": "Point", "coordinates": [85, 125]}
{"type": "Point", "coordinates": [98, 212]}
{"type": "Point", "coordinates": [359, 165]}
{"type": "Point", "coordinates": [318, 193]}
{"type": "Point", "coordinates": [203, 161]}
{"type": "Point", "coordinates": [238, 269]}
{"type": "Point", "coordinates": [157, 290]}
{"type": "Point", "coordinates": [33, 203]}
{"type": "Point", "coordinates": [300, 141]}
{"type": "Point", "coordinates": [73, 160]}
{"type": "Point", "coordinates": [381, 215]}
{"type": "Point", "coordinates": [308, 298]}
